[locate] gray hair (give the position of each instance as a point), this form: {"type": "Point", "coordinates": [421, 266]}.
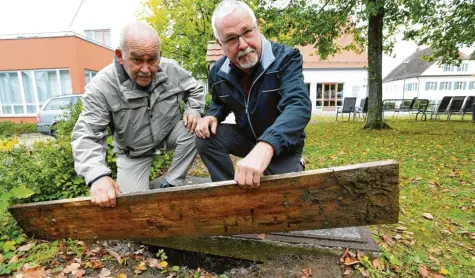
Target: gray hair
{"type": "Point", "coordinates": [136, 28]}
{"type": "Point", "coordinates": [226, 7]}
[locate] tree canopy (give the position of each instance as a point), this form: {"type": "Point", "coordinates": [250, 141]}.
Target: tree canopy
{"type": "Point", "coordinates": [444, 25]}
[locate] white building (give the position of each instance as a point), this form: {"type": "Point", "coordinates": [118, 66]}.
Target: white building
{"type": "Point", "coordinates": [329, 81]}
{"type": "Point", "coordinates": [429, 80]}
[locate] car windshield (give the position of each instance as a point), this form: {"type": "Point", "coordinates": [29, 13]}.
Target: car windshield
{"type": "Point", "coordinates": [57, 104]}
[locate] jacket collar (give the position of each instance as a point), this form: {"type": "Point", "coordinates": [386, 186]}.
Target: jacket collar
{"type": "Point", "coordinates": [129, 87]}
{"type": "Point", "coordinates": [267, 57]}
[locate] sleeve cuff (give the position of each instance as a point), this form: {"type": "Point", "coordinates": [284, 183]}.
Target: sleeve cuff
{"type": "Point", "coordinates": [96, 173]}
{"type": "Point", "coordinates": [273, 141]}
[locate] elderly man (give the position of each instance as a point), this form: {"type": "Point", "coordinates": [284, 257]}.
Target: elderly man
{"type": "Point", "coordinates": [261, 82]}
{"type": "Point", "coordinates": [138, 97]}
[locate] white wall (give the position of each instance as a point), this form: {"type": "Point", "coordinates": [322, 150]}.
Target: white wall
{"type": "Point", "coordinates": [436, 69]}
{"type": "Point", "coordinates": [394, 89]}
{"type": "Point", "coordinates": [354, 80]}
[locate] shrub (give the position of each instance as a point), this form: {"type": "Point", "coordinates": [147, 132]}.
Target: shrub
{"type": "Point", "coordinates": [46, 172]}
{"type": "Point", "coordinates": [9, 129]}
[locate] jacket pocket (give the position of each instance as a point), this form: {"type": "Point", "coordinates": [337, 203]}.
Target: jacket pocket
{"type": "Point", "coordinates": [129, 118]}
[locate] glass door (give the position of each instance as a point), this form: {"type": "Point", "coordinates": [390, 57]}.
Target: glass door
{"type": "Point", "coordinates": [329, 96]}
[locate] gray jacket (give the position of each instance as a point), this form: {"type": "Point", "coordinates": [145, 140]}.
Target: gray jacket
{"type": "Point", "coordinates": [139, 120]}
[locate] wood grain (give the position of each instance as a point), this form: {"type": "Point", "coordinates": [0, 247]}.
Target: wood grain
{"type": "Point", "coordinates": [353, 195]}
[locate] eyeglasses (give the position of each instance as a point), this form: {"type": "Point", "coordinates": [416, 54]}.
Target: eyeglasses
{"type": "Point", "coordinates": [234, 41]}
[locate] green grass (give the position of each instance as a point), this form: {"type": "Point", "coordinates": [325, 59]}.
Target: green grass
{"type": "Point", "coordinates": [437, 176]}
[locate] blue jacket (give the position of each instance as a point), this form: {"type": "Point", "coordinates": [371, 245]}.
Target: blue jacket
{"type": "Point", "coordinates": [278, 106]}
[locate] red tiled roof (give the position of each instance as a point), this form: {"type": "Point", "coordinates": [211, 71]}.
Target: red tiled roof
{"type": "Point", "coordinates": [214, 52]}
{"type": "Point", "coordinates": [344, 59]}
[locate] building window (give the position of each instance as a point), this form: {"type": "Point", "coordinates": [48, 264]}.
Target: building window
{"type": "Point", "coordinates": [431, 86]}
{"type": "Point", "coordinates": [444, 85]}
{"type": "Point", "coordinates": [329, 95]}
{"type": "Point", "coordinates": [471, 85]}
{"type": "Point", "coordinates": [411, 87]}
{"type": "Point", "coordinates": [459, 85]}
{"type": "Point", "coordinates": [10, 93]}
{"type": "Point", "coordinates": [452, 68]}
{"type": "Point", "coordinates": [100, 36]}
{"type": "Point", "coordinates": [319, 95]}
{"type": "Point", "coordinates": [89, 75]}
{"type": "Point", "coordinates": [23, 92]}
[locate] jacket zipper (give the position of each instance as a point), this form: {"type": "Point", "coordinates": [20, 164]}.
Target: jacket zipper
{"type": "Point", "coordinates": [247, 104]}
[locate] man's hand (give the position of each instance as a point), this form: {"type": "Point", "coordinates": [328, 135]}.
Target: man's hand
{"type": "Point", "coordinates": [191, 120]}
{"type": "Point", "coordinates": [104, 192]}
{"type": "Point", "coordinates": [250, 169]}
{"type": "Point", "coordinates": [204, 125]}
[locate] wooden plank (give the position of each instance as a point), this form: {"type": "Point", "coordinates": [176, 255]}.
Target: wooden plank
{"type": "Point", "coordinates": [353, 195]}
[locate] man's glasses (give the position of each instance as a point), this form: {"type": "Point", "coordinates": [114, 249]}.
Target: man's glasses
{"type": "Point", "coordinates": [234, 41]}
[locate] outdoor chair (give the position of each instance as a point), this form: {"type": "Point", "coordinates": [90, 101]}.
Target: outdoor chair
{"type": "Point", "coordinates": [455, 106]}
{"type": "Point", "coordinates": [420, 107]}
{"type": "Point", "coordinates": [405, 105]}
{"type": "Point", "coordinates": [363, 108]}
{"type": "Point", "coordinates": [442, 108]}
{"type": "Point", "coordinates": [349, 104]}
{"type": "Point", "coordinates": [468, 107]}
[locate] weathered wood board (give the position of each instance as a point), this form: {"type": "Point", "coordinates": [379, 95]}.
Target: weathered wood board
{"type": "Point", "coordinates": [353, 195]}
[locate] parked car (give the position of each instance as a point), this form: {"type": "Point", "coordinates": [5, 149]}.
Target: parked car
{"type": "Point", "coordinates": [52, 112]}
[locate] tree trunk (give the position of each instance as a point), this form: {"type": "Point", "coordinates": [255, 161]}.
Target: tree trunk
{"type": "Point", "coordinates": [375, 59]}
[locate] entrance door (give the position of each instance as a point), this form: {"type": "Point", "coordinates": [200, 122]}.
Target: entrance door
{"type": "Point", "coordinates": [329, 96]}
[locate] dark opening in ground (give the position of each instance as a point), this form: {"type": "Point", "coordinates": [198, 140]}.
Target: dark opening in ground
{"type": "Point", "coordinates": [194, 260]}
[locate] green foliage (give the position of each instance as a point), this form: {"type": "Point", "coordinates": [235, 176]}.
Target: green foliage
{"type": "Point", "coordinates": [184, 27]}
{"type": "Point", "coordinates": [9, 129]}
{"type": "Point", "coordinates": [161, 255]}
{"type": "Point", "coordinates": [46, 172]}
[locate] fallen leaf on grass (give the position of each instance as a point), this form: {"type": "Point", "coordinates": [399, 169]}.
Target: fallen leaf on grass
{"type": "Point", "coordinates": [262, 236]}
{"type": "Point", "coordinates": [348, 258]}
{"type": "Point", "coordinates": [400, 229]}
{"type": "Point", "coordinates": [26, 247]}
{"type": "Point", "coordinates": [348, 271]}
{"type": "Point", "coordinates": [115, 255]}
{"type": "Point", "coordinates": [154, 263]}
{"type": "Point", "coordinates": [104, 273]}
{"type": "Point", "coordinates": [435, 260]}
{"type": "Point", "coordinates": [96, 264]}
{"type": "Point", "coordinates": [79, 273]}
{"type": "Point", "coordinates": [444, 271]}
{"type": "Point", "coordinates": [140, 268]}
{"type": "Point", "coordinates": [32, 272]}
{"type": "Point", "coordinates": [71, 267]}
{"type": "Point", "coordinates": [388, 240]}
{"type": "Point", "coordinates": [423, 271]}
{"type": "Point", "coordinates": [307, 272]}
{"type": "Point", "coordinates": [453, 175]}
{"type": "Point", "coordinates": [378, 265]}
{"type": "Point", "coordinates": [14, 259]}
{"type": "Point", "coordinates": [207, 275]}
{"type": "Point", "coordinates": [121, 275]}
{"type": "Point", "coordinates": [428, 216]}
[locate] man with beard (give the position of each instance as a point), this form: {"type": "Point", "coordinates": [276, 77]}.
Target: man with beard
{"type": "Point", "coordinates": [138, 97]}
{"type": "Point", "coordinates": [261, 82]}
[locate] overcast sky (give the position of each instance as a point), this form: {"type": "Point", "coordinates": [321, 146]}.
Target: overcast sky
{"type": "Point", "coordinates": [36, 16]}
